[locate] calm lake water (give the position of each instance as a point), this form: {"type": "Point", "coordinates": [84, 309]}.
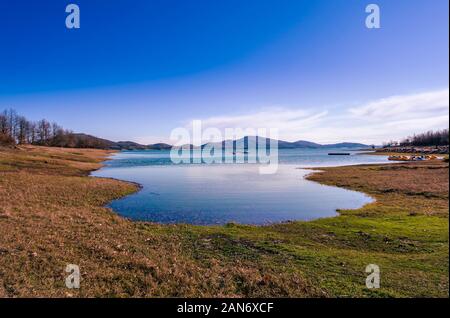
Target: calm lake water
{"type": "Point", "coordinates": [221, 193]}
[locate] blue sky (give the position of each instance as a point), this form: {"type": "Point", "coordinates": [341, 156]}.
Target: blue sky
{"type": "Point", "coordinates": [135, 70]}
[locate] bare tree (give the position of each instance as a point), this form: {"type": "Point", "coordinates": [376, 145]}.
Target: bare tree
{"type": "Point", "coordinates": [12, 123]}
{"type": "Point", "coordinates": [56, 129]}
{"type": "Point", "coordinates": [43, 131]}
{"type": "Point", "coordinates": [32, 133]}
{"type": "Point", "coordinates": [22, 129]}
{"type": "Point", "coordinates": [4, 123]}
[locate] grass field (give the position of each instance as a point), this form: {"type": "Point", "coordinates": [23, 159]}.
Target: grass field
{"type": "Point", "coordinates": [52, 214]}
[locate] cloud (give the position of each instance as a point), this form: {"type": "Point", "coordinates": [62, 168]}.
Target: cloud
{"type": "Point", "coordinates": [269, 118]}
{"type": "Point", "coordinates": [390, 118]}
{"type": "Point", "coordinates": [405, 106]}
{"type": "Point", "coordinates": [290, 123]}
{"type": "Point", "coordinates": [396, 117]}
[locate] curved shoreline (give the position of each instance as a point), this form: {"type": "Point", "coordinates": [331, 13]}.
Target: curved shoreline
{"type": "Point", "coordinates": [140, 187]}
{"type": "Point", "coordinates": [58, 210]}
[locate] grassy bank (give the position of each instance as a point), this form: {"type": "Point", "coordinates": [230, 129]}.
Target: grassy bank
{"type": "Point", "coordinates": [52, 214]}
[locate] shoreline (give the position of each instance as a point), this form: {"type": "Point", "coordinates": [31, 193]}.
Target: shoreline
{"type": "Point", "coordinates": [314, 170]}
{"type": "Point", "coordinates": [387, 154]}
{"type": "Point", "coordinates": [59, 212]}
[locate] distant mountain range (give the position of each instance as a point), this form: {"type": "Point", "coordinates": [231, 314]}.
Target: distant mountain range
{"type": "Point", "coordinates": [95, 142]}
{"type": "Point", "coordinates": [88, 141]}
{"type": "Point", "coordinates": [244, 142]}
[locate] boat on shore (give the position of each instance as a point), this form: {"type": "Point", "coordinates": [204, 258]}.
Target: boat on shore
{"type": "Point", "coordinates": [412, 158]}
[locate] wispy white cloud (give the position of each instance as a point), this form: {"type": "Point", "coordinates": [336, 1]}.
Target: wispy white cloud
{"type": "Point", "coordinates": [390, 118]}
{"type": "Point", "coordinates": [399, 116]}
{"type": "Point", "coordinates": [428, 104]}
{"type": "Point", "coordinates": [276, 117]}
{"type": "Point", "coordinates": [291, 123]}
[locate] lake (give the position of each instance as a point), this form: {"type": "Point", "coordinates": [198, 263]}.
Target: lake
{"type": "Point", "coordinates": [221, 193]}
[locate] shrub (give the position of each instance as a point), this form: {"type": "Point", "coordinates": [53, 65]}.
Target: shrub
{"type": "Point", "coordinates": [6, 140]}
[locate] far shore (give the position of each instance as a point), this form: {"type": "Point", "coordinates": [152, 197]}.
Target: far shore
{"type": "Point", "coordinates": [414, 150]}
{"type": "Point", "coordinates": [389, 153]}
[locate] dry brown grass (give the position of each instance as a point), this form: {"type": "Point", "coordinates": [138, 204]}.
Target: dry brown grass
{"type": "Point", "coordinates": [52, 215]}
{"type": "Point", "coordinates": [400, 184]}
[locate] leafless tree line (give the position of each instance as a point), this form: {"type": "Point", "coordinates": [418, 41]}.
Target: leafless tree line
{"type": "Point", "coordinates": [429, 138]}
{"type": "Point", "coordinates": [16, 129]}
